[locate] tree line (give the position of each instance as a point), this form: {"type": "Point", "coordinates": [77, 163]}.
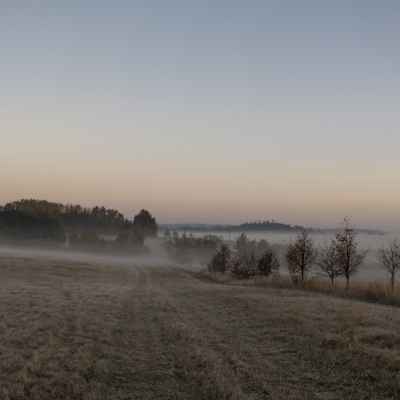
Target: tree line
{"type": "Point", "coordinates": [336, 257]}
{"type": "Point", "coordinates": [268, 226]}
{"type": "Point", "coordinates": [248, 258]}
{"type": "Point", "coordinates": [44, 221]}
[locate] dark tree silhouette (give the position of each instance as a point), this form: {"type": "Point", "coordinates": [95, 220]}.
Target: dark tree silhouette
{"type": "Point", "coordinates": [167, 233]}
{"type": "Point", "coordinates": [300, 255]}
{"type": "Point", "coordinates": [145, 223]}
{"type": "Point", "coordinates": [326, 261]}
{"type": "Point", "coordinates": [268, 264]}
{"type": "Point", "coordinates": [221, 261]}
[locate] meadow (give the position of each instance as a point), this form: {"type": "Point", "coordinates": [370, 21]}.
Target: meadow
{"type": "Point", "coordinates": [112, 329]}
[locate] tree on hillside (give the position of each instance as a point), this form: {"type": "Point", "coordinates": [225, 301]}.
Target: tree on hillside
{"type": "Point", "coordinates": [300, 256]}
{"type": "Point", "coordinates": [244, 264]}
{"type": "Point", "coordinates": [326, 261]}
{"type": "Point", "coordinates": [389, 259]}
{"type": "Point", "coordinates": [268, 264]}
{"type": "Point", "coordinates": [348, 258]}
{"type": "Point", "coordinates": [221, 261]}
{"type": "Point", "coordinates": [145, 223]}
{"type": "Point", "coordinates": [242, 243]}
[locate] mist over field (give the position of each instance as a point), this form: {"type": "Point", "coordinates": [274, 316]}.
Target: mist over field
{"type": "Point", "coordinates": [274, 126]}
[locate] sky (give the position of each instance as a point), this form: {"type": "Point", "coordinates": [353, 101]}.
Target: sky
{"type": "Point", "coordinates": [204, 111]}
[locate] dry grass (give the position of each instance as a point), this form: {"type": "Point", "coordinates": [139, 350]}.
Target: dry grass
{"type": "Point", "coordinates": [377, 291]}
{"type": "Point", "coordinates": [56, 327]}
{"type": "Point", "coordinates": [74, 330]}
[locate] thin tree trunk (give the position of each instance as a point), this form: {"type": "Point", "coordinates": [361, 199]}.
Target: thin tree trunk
{"type": "Point", "coordinates": [347, 282]}
{"type": "Point", "coordinates": [392, 282]}
{"type": "Point", "coordinates": [331, 281]}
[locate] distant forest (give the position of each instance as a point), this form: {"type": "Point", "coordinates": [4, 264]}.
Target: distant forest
{"type": "Point", "coordinates": [268, 226]}
{"type": "Point", "coordinates": [260, 226]}
{"type": "Point", "coordinates": [48, 221]}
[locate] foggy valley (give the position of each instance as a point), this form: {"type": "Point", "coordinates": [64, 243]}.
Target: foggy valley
{"type": "Point", "coordinates": [199, 200]}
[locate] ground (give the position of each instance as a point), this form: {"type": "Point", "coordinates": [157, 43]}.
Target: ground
{"type": "Point", "coordinates": [105, 330]}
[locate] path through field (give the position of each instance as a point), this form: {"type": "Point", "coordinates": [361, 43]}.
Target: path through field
{"type": "Point", "coordinates": [158, 332]}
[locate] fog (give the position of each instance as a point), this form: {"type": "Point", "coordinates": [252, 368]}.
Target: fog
{"type": "Point", "coordinates": [368, 272]}
{"type": "Point", "coordinates": [66, 254]}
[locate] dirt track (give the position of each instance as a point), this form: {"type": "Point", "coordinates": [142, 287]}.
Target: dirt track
{"type": "Point", "coordinates": [195, 339]}
{"type": "Point", "coordinates": [147, 332]}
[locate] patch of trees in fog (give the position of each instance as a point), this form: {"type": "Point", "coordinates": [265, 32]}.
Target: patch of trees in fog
{"type": "Point", "coordinates": [248, 258]}
{"type": "Point", "coordinates": [129, 243]}
{"type": "Point", "coordinates": [41, 221]}
{"type": "Point", "coordinates": [336, 257]}
{"type": "Point", "coordinates": [188, 249]}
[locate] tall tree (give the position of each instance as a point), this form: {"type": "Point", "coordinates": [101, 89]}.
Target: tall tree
{"type": "Point", "coordinates": [389, 259]}
{"type": "Point", "coordinates": [300, 255]}
{"type": "Point", "coordinates": [348, 258]}
{"type": "Point", "coordinates": [145, 223]}
{"type": "Point", "coordinates": [326, 261]}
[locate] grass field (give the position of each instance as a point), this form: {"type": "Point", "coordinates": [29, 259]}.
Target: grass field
{"type": "Point", "coordinates": [104, 330]}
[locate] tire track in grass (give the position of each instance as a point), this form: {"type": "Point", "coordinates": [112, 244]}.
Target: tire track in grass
{"type": "Point", "coordinates": [260, 365]}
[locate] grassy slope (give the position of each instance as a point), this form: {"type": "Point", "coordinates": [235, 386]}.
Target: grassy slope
{"type": "Point", "coordinates": [89, 331]}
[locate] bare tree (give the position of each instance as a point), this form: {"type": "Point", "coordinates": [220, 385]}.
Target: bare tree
{"type": "Point", "coordinates": [389, 259]}
{"type": "Point", "coordinates": [326, 261]}
{"type": "Point", "coordinates": [300, 256]}
{"type": "Point", "coordinates": [268, 264]}
{"type": "Point", "coordinates": [348, 258]}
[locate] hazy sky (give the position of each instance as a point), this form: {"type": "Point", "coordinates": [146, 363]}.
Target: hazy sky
{"type": "Point", "coordinates": [204, 111]}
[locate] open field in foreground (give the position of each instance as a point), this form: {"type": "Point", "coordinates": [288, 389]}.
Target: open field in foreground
{"type": "Point", "coordinates": [81, 330]}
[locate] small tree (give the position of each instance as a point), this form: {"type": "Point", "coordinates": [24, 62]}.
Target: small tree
{"type": "Point", "coordinates": [348, 258]}
{"type": "Point", "coordinates": [167, 233]}
{"type": "Point", "coordinates": [300, 256]}
{"type": "Point", "coordinates": [244, 265]}
{"type": "Point", "coordinates": [221, 262]}
{"type": "Point", "coordinates": [268, 264]}
{"type": "Point", "coordinates": [326, 261]}
{"type": "Point", "coordinates": [242, 243]}
{"type": "Point", "coordinates": [175, 234]}
{"type": "Point", "coordinates": [389, 259]}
